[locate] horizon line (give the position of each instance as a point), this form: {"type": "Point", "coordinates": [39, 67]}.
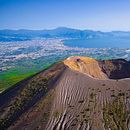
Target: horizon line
{"type": "Point", "coordinates": [81, 29]}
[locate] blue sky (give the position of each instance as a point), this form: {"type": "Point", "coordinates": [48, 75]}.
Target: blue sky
{"type": "Point", "coordinates": [104, 15]}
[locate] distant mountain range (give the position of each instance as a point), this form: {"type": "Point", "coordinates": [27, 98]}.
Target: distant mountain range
{"type": "Point", "coordinates": [61, 32]}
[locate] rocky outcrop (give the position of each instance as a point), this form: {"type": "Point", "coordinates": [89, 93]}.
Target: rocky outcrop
{"type": "Point", "coordinates": [85, 65]}
{"type": "Point", "coordinates": [100, 69]}
{"type": "Point", "coordinates": [115, 69]}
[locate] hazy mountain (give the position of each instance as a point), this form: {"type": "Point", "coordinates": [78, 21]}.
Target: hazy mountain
{"type": "Point", "coordinates": [62, 32]}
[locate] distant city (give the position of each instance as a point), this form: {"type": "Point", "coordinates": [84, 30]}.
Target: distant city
{"type": "Point", "coordinates": [11, 53]}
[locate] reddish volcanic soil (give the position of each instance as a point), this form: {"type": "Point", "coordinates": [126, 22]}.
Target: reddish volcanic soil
{"type": "Point", "coordinates": [81, 96]}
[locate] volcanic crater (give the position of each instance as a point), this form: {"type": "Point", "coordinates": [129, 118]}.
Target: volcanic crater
{"type": "Point", "coordinates": [79, 93]}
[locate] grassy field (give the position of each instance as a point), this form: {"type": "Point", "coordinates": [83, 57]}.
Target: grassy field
{"type": "Point", "coordinates": [12, 76]}
{"type": "Point", "coordinates": [23, 70]}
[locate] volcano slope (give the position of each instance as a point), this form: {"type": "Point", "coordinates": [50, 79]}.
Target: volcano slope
{"type": "Point", "coordinates": [79, 93]}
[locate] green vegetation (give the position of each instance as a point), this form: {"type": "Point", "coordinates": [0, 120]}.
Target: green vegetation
{"type": "Point", "coordinates": [25, 68]}
{"type": "Point", "coordinates": [115, 114]}
{"type": "Point", "coordinates": [14, 75]}
{"type": "Point", "coordinates": [57, 114]}
{"type": "Point", "coordinates": [11, 77]}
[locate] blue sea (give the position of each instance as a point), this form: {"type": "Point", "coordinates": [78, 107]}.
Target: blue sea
{"type": "Point", "coordinates": [107, 42]}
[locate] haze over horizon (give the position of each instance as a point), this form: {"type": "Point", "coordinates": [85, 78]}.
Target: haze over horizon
{"type": "Point", "coordinates": [80, 14]}
{"type": "Point", "coordinates": [81, 29]}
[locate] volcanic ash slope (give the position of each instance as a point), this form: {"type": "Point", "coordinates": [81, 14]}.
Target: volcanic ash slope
{"type": "Point", "coordinates": [80, 93]}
